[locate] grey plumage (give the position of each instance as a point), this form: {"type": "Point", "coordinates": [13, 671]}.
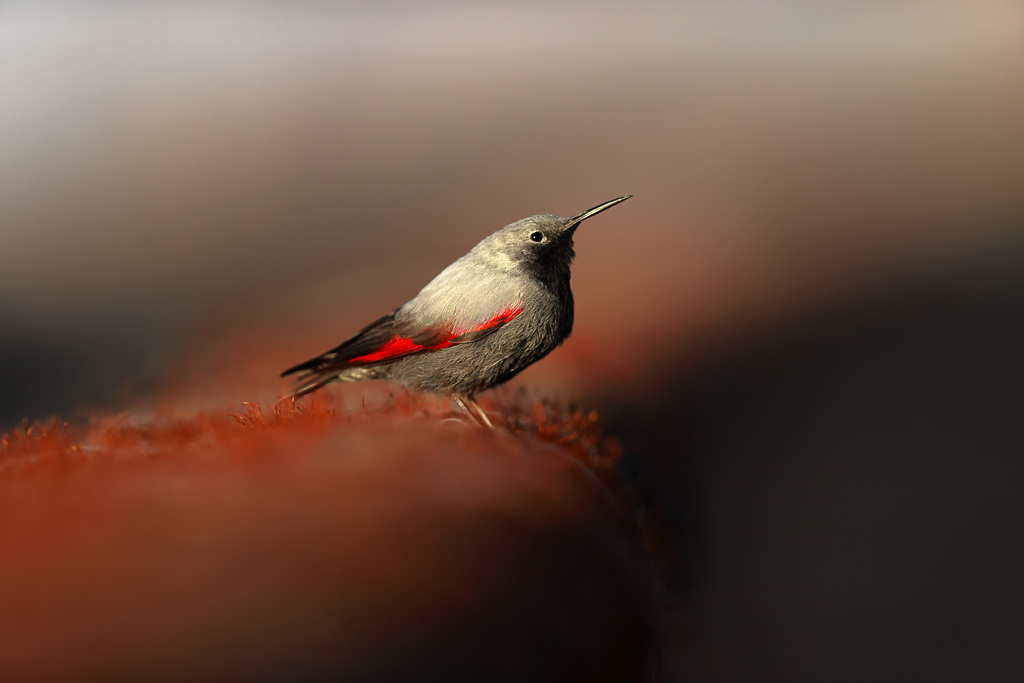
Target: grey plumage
{"type": "Point", "coordinates": [490, 314]}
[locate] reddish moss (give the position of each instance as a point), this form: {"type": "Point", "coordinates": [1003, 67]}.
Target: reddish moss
{"type": "Point", "coordinates": [317, 538]}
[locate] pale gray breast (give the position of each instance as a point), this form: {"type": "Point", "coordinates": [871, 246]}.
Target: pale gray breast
{"type": "Point", "coordinates": [466, 294]}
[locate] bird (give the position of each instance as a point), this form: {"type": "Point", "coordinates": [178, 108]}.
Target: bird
{"type": "Point", "coordinates": [489, 315]}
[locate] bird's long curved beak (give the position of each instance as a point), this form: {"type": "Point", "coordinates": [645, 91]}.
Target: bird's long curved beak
{"type": "Point", "coordinates": [580, 217]}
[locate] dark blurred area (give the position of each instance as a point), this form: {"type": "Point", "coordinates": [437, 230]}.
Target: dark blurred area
{"type": "Point", "coordinates": [846, 494]}
{"type": "Point", "coordinates": [806, 326]}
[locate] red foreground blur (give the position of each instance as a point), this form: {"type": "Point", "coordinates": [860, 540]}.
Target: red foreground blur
{"type": "Point", "coordinates": [308, 544]}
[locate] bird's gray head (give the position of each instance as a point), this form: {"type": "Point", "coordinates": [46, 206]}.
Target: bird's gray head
{"type": "Point", "coordinates": [539, 245]}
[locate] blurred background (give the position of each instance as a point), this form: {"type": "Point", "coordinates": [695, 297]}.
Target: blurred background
{"type": "Point", "coordinates": [806, 326]}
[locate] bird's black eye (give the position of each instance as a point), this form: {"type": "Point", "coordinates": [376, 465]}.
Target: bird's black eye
{"type": "Point", "coordinates": [537, 236]}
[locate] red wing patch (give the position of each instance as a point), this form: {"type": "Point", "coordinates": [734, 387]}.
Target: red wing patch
{"type": "Point", "coordinates": [505, 316]}
{"type": "Point", "coordinates": [386, 340]}
{"type": "Point", "coordinates": [397, 347]}
{"type": "Point", "coordinates": [489, 327]}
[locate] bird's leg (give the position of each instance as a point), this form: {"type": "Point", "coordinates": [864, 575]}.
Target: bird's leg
{"type": "Point", "coordinates": [480, 411]}
{"type": "Point", "coordinates": [462, 404]}
{"type": "Point", "coordinates": [480, 417]}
